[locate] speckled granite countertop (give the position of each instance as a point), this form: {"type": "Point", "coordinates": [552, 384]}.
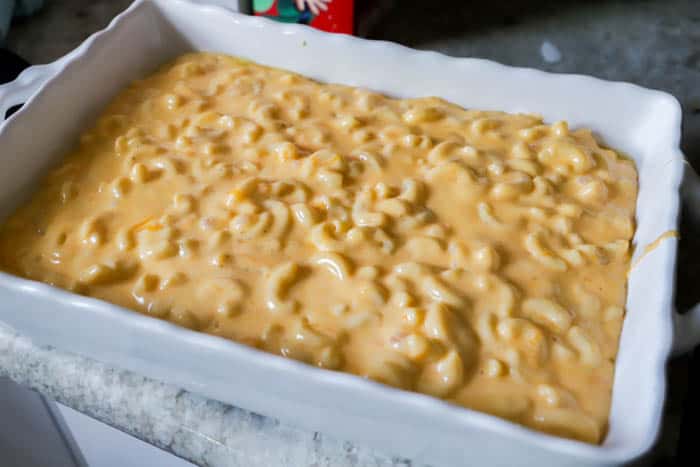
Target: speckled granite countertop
{"type": "Point", "coordinates": [654, 43]}
{"type": "Point", "coordinates": [203, 431]}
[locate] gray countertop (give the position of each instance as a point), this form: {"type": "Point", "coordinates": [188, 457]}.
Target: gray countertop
{"type": "Point", "coordinates": [655, 43]}
{"type": "Point", "coordinates": [206, 432]}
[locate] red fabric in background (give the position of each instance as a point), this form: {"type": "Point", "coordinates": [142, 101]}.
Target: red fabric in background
{"type": "Point", "coordinates": [271, 12]}
{"type": "Point", "coordinates": [338, 18]}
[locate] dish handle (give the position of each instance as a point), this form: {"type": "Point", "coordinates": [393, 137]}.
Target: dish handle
{"type": "Point", "coordinates": [686, 326]}
{"type": "Point", "coordinates": [28, 82]}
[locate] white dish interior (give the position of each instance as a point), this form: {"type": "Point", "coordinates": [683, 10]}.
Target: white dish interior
{"type": "Point", "coordinates": [642, 123]}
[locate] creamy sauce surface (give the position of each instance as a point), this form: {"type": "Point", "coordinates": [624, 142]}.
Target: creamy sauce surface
{"type": "Point", "coordinates": [479, 257]}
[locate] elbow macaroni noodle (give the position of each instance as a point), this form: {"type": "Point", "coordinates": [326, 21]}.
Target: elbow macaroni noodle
{"type": "Point", "coordinates": [479, 257]}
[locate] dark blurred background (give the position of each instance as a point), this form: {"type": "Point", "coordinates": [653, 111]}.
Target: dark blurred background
{"type": "Point", "coordinates": [654, 43]}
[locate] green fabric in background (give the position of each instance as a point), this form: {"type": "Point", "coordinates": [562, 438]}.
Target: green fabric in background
{"type": "Point", "coordinates": [287, 11]}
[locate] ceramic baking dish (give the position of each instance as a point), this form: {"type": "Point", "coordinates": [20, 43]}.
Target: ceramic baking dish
{"type": "Point", "coordinates": [63, 97]}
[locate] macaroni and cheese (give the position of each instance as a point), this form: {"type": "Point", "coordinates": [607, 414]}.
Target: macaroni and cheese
{"type": "Point", "coordinates": [478, 257]}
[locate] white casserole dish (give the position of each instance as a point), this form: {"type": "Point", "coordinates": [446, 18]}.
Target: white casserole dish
{"type": "Point", "coordinates": [63, 97]}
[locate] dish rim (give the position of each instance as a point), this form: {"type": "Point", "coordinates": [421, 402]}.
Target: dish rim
{"type": "Point", "coordinates": [440, 408]}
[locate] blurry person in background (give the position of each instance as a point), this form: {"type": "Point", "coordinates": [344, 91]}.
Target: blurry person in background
{"type": "Point", "coordinates": [290, 11]}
